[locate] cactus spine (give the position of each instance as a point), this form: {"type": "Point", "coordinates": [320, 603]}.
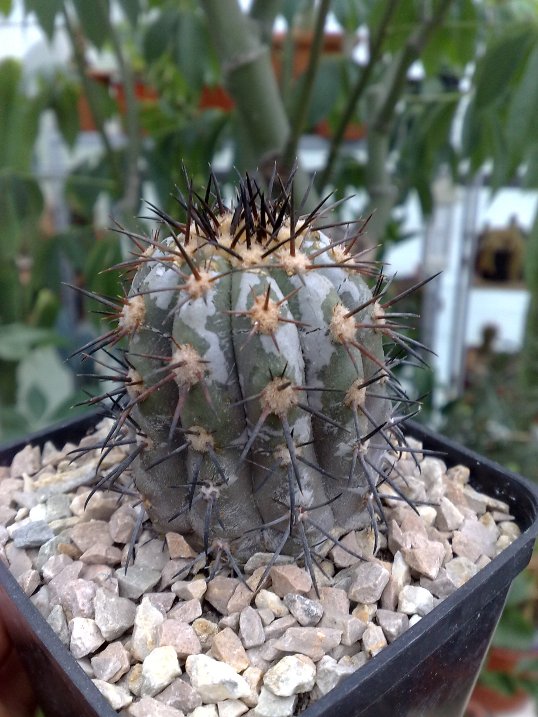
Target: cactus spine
{"type": "Point", "coordinates": [254, 378]}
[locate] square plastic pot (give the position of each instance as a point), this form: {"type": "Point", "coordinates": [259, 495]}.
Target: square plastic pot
{"type": "Point", "coordinates": [428, 672]}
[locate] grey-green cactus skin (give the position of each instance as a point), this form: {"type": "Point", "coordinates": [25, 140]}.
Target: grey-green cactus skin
{"type": "Point", "coordinates": [256, 382]}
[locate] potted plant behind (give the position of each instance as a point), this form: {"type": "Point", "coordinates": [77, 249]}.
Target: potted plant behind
{"type": "Point", "coordinates": [254, 408]}
{"type": "Point", "coordinates": [509, 676]}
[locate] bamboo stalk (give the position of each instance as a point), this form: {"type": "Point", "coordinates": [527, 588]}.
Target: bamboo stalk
{"type": "Point", "coordinates": [249, 77]}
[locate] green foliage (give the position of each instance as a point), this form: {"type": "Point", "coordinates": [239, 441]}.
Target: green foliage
{"type": "Point", "coordinates": [516, 632]}
{"type": "Point", "coordinates": [170, 45]}
{"type": "Point", "coordinates": [46, 12]}
{"type": "Point", "coordinates": [132, 10]}
{"type": "Point", "coordinates": [180, 33]}
{"type": "Point", "coordinates": [516, 629]}
{"type": "Point", "coordinates": [327, 89]}
{"type": "Point", "coordinates": [427, 125]}
{"type": "Point", "coordinates": [495, 415]}
{"type": "Point", "coordinates": [499, 121]}
{"type": "Point", "coordinates": [94, 18]}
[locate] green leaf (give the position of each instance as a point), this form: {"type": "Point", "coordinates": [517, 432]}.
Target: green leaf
{"type": "Point", "coordinates": [5, 6]}
{"type": "Point", "coordinates": [405, 20]}
{"type": "Point", "coordinates": [349, 13]}
{"type": "Point", "coordinates": [19, 118]}
{"type": "Point", "coordinates": [523, 110]}
{"type": "Point", "coordinates": [531, 171]}
{"type": "Point", "coordinates": [181, 35]}
{"type": "Point", "coordinates": [94, 18]}
{"type": "Point", "coordinates": [46, 11]}
{"type": "Point", "coordinates": [17, 340]}
{"type": "Point", "coordinates": [43, 385]}
{"type": "Point", "coordinates": [103, 254]}
{"type": "Point", "coordinates": [501, 63]}
{"type": "Point", "coordinates": [453, 44]}
{"type": "Point", "coordinates": [64, 104]}
{"type": "Point", "coordinates": [45, 309]}
{"type": "Point", "coordinates": [499, 682]}
{"type": "Point", "coordinates": [514, 631]}
{"type": "Point", "coordinates": [327, 87]}
{"type": "Point", "coordinates": [131, 8]}
{"type": "Point", "coordinates": [85, 184]}
{"type": "Point", "coordinates": [21, 203]}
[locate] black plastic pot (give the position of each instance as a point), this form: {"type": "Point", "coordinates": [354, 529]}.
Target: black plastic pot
{"type": "Point", "coordinates": [428, 672]}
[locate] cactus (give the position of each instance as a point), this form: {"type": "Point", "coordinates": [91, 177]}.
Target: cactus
{"type": "Point", "coordinates": [254, 388]}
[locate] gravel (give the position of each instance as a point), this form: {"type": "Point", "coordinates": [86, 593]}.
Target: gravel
{"type": "Point", "coordinates": [158, 643]}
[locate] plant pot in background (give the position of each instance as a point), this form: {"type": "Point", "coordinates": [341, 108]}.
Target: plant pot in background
{"type": "Point", "coordinates": [504, 662]}
{"type": "Point", "coordinates": [429, 671]}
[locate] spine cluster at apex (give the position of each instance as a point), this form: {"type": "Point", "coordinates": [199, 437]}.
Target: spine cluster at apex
{"type": "Point", "coordinates": [254, 373]}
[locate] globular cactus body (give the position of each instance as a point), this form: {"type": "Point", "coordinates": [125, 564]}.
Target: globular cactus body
{"type": "Point", "coordinates": [255, 378]}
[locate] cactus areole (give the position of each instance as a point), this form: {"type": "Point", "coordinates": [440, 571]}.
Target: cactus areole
{"type": "Point", "coordinates": [253, 383]}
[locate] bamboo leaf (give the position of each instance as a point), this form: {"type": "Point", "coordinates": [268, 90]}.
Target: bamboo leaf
{"type": "Point", "coordinates": [19, 119]}
{"type": "Point", "coordinates": [182, 36]}
{"type": "Point", "coordinates": [64, 104]}
{"type": "Point", "coordinates": [531, 171]}
{"type": "Point", "coordinates": [350, 14]}
{"type": "Point", "coordinates": [21, 203]}
{"type": "Point", "coordinates": [94, 20]}
{"type": "Point", "coordinates": [192, 42]}
{"type": "Point", "coordinates": [405, 20]}
{"type": "Point", "coordinates": [327, 86]}
{"type": "Point", "coordinates": [523, 110]}
{"type": "Point", "coordinates": [502, 62]}
{"type": "Point", "coordinates": [46, 11]}
{"type": "Point", "coordinates": [453, 44]}
{"type": "Point", "coordinates": [131, 8]}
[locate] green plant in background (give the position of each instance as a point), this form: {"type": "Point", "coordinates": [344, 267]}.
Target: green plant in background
{"type": "Point", "coordinates": [35, 330]}
{"type": "Point", "coordinates": [254, 388]}
{"type": "Point", "coordinates": [516, 632]}
{"type": "Point", "coordinates": [27, 310]}
{"type": "Point", "coordinates": [157, 93]}
{"type": "Point", "coordinates": [495, 416]}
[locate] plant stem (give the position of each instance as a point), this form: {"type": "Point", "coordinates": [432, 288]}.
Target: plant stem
{"type": "Point", "coordinates": [305, 96]}
{"type": "Point", "coordinates": [356, 94]}
{"type": "Point", "coordinates": [249, 77]}
{"type": "Point", "coordinates": [80, 61]}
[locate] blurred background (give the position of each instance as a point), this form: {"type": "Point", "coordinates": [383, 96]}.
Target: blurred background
{"type": "Point", "coordinates": [423, 112]}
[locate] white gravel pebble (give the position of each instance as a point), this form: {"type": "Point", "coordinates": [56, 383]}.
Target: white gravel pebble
{"type": "Point", "coordinates": [159, 668]}
{"type": "Point", "coordinates": [329, 673]}
{"type": "Point", "coordinates": [247, 650]}
{"type": "Point", "coordinates": [291, 675]}
{"type": "Point", "coordinates": [415, 600]}
{"type": "Point", "coordinates": [118, 696]}
{"type": "Point", "coordinates": [85, 636]}
{"type": "Point", "coordinates": [269, 705]}
{"type": "Point", "coordinates": [215, 681]}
